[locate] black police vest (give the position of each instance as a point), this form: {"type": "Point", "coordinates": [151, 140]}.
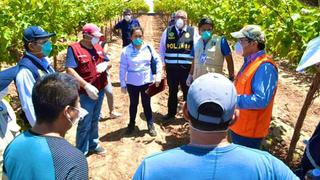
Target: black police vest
{"type": "Point", "coordinates": [178, 48]}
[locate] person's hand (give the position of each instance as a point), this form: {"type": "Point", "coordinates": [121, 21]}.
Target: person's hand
{"type": "Point", "coordinates": [102, 67]}
{"type": "Point", "coordinates": [91, 91]}
{"type": "Point", "coordinates": [189, 80]}
{"type": "Point", "coordinates": [157, 83]}
{"type": "Point", "coordinates": [124, 90]}
{"type": "Point", "coordinates": [231, 78]}
{"type": "Point", "coordinates": [109, 66]}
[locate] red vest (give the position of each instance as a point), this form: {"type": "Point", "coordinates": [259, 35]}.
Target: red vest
{"type": "Point", "coordinates": [252, 123]}
{"type": "Point", "coordinates": [87, 66]}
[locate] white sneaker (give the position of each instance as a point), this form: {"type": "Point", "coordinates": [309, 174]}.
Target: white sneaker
{"type": "Point", "coordinates": [114, 115]}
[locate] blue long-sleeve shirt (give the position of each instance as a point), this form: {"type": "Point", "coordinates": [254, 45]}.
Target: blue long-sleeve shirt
{"type": "Point", "coordinates": [263, 85]}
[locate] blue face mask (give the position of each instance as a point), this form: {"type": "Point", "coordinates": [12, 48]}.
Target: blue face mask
{"type": "Point", "coordinates": [206, 35]}
{"type": "Point", "coordinates": [46, 48]}
{"type": "Point", "coordinates": [137, 42]}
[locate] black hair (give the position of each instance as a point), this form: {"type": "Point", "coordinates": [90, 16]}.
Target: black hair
{"type": "Point", "coordinates": [261, 45]}
{"type": "Point", "coordinates": [135, 28]}
{"type": "Point", "coordinates": [205, 20]}
{"type": "Point", "coordinates": [51, 94]}
{"type": "Point", "coordinates": [213, 110]}
{"type": "Point", "coordinates": [127, 11]}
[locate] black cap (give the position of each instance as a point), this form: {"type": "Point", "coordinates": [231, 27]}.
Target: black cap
{"type": "Point", "coordinates": [205, 20]}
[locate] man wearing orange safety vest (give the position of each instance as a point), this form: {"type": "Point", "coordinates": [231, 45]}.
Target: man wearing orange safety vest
{"type": "Point", "coordinates": [256, 85]}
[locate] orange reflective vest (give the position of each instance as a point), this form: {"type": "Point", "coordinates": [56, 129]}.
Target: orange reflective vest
{"type": "Point", "coordinates": [252, 123]}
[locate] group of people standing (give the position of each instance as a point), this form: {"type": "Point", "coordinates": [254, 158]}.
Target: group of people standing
{"type": "Point", "coordinates": [239, 106]}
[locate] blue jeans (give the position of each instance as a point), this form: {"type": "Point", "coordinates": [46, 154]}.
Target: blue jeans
{"type": "Point", "coordinates": [244, 141]}
{"type": "Point", "coordinates": [87, 137]}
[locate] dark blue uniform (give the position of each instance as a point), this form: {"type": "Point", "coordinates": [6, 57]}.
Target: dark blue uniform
{"type": "Point", "coordinates": [125, 30]}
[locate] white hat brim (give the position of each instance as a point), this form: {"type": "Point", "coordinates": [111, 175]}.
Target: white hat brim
{"type": "Point", "coordinates": [237, 34]}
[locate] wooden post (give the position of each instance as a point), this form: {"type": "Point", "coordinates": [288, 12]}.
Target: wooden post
{"type": "Point", "coordinates": [55, 62]}
{"type": "Point", "coordinates": [110, 30]}
{"type": "Point", "coordinates": [296, 134]}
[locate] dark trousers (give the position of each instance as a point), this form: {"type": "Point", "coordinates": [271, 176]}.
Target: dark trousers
{"type": "Point", "coordinates": [314, 150]}
{"type": "Point", "coordinates": [177, 74]}
{"type": "Point", "coordinates": [244, 141]}
{"type": "Point", "coordinates": [134, 92]}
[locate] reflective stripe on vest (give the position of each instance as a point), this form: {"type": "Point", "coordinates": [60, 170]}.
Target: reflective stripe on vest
{"type": "Point", "coordinates": [252, 123]}
{"type": "Point", "coordinates": [170, 61]}
{"type": "Point", "coordinates": [176, 55]}
{"type": "Point", "coordinates": [179, 46]}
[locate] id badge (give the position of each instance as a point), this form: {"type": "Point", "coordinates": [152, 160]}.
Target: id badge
{"type": "Point", "coordinates": [203, 58]}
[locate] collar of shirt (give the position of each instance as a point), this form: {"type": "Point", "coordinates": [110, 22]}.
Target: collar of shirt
{"type": "Point", "coordinates": [254, 56]}
{"type": "Point", "coordinates": [143, 46]}
{"type": "Point", "coordinates": [43, 61]}
{"type": "Point", "coordinates": [249, 59]}
{"type": "Point", "coordinates": [184, 29]}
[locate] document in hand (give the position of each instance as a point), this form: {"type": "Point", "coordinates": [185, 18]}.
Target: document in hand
{"type": "Point", "coordinates": [153, 90]}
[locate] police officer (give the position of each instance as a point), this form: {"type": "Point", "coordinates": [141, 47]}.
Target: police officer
{"type": "Point", "coordinates": [176, 47]}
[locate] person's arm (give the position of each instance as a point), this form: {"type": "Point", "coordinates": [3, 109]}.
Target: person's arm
{"type": "Point", "coordinates": [226, 52]}
{"type": "Point", "coordinates": [138, 23]}
{"type": "Point", "coordinates": [158, 64]}
{"type": "Point", "coordinates": [139, 174]}
{"type": "Point", "coordinates": [281, 171]}
{"type": "Point", "coordinates": [123, 69]}
{"type": "Point", "coordinates": [71, 64]}
{"type": "Point", "coordinates": [79, 170]}
{"type": "Point", "coordinates": [162, 48]}
{"type": "Point", "coordinates": [73, 72]}
{"type": "Point", "coordinates": [25, 82]}
{"type": "Point", "coordinates": [116, 27]}
{"type": "Point", "coordinates": [264, 84]}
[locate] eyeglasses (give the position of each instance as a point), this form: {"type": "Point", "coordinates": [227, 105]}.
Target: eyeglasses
{"type": "Point", "coordinates": [41, 42]}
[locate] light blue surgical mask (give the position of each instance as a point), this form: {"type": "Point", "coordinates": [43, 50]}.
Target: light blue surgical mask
{"type": "Point", "coordinates": [137, 42]}
{"type": "Point", "coordinates": [95, 41]}
{"type": "Point", "coordinates": [206, 35]}
{"type": "Point", "coordinates": [46, 48]}
{"type": "Point", "coordinates": [238, 48]}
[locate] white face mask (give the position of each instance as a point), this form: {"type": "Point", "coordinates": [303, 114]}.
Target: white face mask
{"type": "Point", "coordinates": [81, 114]}
{"type": "Point", "coordinates": [238, 48]}
{"type": "Point", "coordinates": [127, 17]}
{"type": "Point", "coordinates": [95, 40]}
{"type": "Point", "coordinates": [179, 23]}
{"type": "Point", "coordinates": [3, 93]}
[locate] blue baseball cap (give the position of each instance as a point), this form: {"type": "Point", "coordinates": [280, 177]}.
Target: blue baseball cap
{"type": "Point", "coordinates": [215, 88]}
{"type": "Point", "coordinates": [33, 33]}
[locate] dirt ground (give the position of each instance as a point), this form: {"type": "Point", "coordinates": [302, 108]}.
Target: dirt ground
{"type": "Point", "coordinates": [124, 153]}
